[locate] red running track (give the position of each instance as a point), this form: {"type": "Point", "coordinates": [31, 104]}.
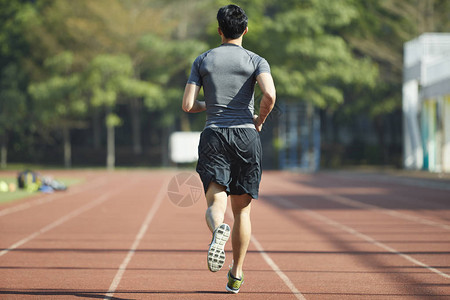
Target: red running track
{"type": "Point", "coordinates": [315, 236]}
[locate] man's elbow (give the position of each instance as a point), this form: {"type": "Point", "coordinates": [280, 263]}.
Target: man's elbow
{"type": "Point", "coordinates": [187, 108]}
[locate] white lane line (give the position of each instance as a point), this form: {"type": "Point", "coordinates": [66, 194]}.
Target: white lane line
{"type": "Point", "coordinates": [48, 199]}
{"type": "Point", "coordinates": [148, 219]}
{"type": "Point", "coordinates": [393, 213]}
{"type": "Point", "coordinates": [432, 183]}
{"type": "Point", "coordinates": [62, 220]}
{"type": "Point", "coordinates": [361, 236]}
{"type": "Point", "coordinates": [273, 265]}
{"type": "Point", "coordinates": [276, 269]}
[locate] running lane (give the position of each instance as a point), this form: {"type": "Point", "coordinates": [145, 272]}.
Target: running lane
{"type": "Point", "coordinates": [358, 238]}
{"type": "Point", "coordinates": [322, 236]}
{"type": "Point", "coordinates": [170, 261]}
{"type": "Point", "coordinates": [74, 246]}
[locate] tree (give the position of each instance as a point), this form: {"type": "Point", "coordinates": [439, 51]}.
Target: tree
{"type": "Point", "coordinates": [114, 27]}
{"type": "Point", "coordinates": [15, 19]}
{"type": "Point", "coordinates": [60, 99]}
{"type": "Point", "coordinates": [131, 28]}
{"type": "Point", "coordinates": [12, 107]}
{"type": "Point", "coordinates": [379, 32]}
{"type": "Point", "coordinates": [110, 79]}
{"type": "Point", "coordinates": [310, 61]}
{"type": "Point", "coordinates": [342, 56]}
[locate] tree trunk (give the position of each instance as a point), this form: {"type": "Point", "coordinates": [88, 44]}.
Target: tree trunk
{"type": "Point", "coordinates": [165, 134]}
{"type": "Point", "coordinates": [164, 147]}
{"type": "Point", "coordinates": [4, 150]}
{"type": "Point", "coordinates": [110, 155]}
{"type": "Point", "coordinates": [96, 124]}
{"type": "Point", "coordinates": [135, 110]}
{"type": "Point", "coordinates": [184, 122]}
{"type": "Point", "coordinates": [67, 147]}
{"type": "Point", "coordinates": [380, 130]}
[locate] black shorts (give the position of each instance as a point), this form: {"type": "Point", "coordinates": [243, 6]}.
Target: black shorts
{"type": "Point", "coordinates": [231, 157]}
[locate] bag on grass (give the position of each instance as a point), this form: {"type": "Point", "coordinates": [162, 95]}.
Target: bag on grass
{"type": "Point", "coordinates": [53, 184]}
{"type": "Point", "coordinates": [29, 180]}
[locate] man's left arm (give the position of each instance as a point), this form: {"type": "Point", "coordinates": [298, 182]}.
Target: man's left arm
{"type": "Point", "coordinates": [190, 102]}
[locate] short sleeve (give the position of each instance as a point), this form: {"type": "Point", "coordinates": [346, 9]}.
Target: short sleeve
{"type": "Point", "coordinates": [262, 67]}
{"type": "Point", "coordinates": [195, 77]}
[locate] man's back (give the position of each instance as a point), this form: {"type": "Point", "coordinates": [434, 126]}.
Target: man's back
{"type": "Point", "coordinates": [228, 75]}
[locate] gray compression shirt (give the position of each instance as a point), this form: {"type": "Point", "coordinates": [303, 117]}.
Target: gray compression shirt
{"type": "Point", "coordinates": [228, 76]}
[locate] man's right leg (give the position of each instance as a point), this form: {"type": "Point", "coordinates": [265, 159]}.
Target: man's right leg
{"type": "Point", "coordinates": [242, 231]}
{"type": "Point", "coordinates": [216, 198]}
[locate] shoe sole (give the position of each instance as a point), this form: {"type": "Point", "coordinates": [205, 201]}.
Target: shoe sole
{"type": "Point", "coordinates": [231, 290]}
{"type": "Point", "coordinates": [216, 252]}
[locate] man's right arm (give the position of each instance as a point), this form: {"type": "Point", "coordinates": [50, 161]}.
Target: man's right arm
{"type": "Point", "coordinates": [190, 103]}
{"type": "Point", "coordinates": [265, 82]}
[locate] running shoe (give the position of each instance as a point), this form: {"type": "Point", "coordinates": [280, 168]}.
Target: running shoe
{"type": "Point", "coordinates": [234, 284]}
{"type": "Point", "coordinates": [216, 252]}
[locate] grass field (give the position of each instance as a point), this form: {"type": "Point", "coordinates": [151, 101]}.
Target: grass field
{"type": "Point", "coordinates": [19, 194]}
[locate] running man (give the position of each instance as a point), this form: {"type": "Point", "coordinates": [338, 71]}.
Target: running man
{"type": "Point", "coordinates": [230, 152]}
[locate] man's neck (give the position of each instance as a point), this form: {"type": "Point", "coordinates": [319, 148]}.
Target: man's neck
{"type": "Point", "coordinates": [237, 41]}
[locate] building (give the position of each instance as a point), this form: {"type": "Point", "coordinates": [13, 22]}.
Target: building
{"type": "Point", "coordinates": [426, 103]}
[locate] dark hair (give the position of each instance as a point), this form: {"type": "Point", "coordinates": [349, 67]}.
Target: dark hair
{"type": "Point", "coordinates": [232, 21]}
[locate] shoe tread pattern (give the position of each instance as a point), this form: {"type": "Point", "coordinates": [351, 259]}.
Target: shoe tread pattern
{"type": "Point", "coordinates": [216, 252]}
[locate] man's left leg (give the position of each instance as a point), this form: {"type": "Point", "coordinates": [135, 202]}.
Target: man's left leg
{"type": "Point", "coordinates": [216, 198]}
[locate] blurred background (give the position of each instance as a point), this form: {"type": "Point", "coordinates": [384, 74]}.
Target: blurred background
{"type": "Point", "coordinates": [100, 83]}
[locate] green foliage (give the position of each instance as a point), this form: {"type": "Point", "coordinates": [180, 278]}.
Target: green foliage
{"type": "Point", "coordinates": [61, 63]}
{"type": "Point", "coordinates": [113, 120]}
{"type": "Point", "coordinates": [110, 77]}
{"type": "Point", "coordinates": [61, 60]}
{"type": "Point", "coordinates": [59, 98]}
{"type": "Point", "coordinates": [310, 61]}
{"type": "Point", "coordinates": [15, 16]}
{"type": "Point", "coordinates": [379, 32]}
{"type": "Point", "coordinates": [105, 73]}
{"type": "Point", "coordinates": [164, 58]}
{"type": "Point", "coordinates": [12, 99]}
{"type": "Point", "coordinates": [151, 93]}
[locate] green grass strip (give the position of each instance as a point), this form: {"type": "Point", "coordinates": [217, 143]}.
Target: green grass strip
{"type": "Point", "coordinates": [20, 194]}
